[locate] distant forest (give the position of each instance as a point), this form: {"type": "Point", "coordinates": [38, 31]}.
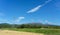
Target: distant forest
{"type": "Point", "coordinates": [28, 25]}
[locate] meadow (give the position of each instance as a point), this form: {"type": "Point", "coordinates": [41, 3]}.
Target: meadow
{"type": "Point", "coordinates": [34, 28]}
{"type": "Point", "coordinates": [38, 30]}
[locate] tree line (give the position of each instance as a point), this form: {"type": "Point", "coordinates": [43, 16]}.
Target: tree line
{"type": "Point", "coordinates": [28, 25]}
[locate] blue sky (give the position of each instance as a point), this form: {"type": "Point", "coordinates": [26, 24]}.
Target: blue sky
{"type": "Point", "coordinates": [25, 11]}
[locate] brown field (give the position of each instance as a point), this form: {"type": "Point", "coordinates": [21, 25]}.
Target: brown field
{"type": "Point", "coordinates": [8, 32]}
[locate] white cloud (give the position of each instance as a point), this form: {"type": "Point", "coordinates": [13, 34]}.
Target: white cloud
{"type": "Point", "coordinates": [47, 1]}
{"type": "Point", "coordinates": [38, 7]}
{"type": "Point", "coordinates": [34, 9]}
{"type": "Point", "coordinates": [48, 22]}
{"type": "Point", "coordinates": [19, 19]}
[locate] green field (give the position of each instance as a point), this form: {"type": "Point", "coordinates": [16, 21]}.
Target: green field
{"type": "Point", "coordinates": [35, 28]}
{"type": "Point", "coordinates": [44, 31]}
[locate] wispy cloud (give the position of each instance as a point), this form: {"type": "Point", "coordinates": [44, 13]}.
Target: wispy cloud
{"type": "Point", "coordinates": [38, 7]}
{"type": "Point", "coordinates": [48, 22]}
{"type": "Point", "coordinates": [34, 9]}
{"type": "Point", "coordinates": [19, 19]}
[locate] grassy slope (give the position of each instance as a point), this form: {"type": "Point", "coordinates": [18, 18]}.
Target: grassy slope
{"type": "Point", "coordinates": [45, 31]}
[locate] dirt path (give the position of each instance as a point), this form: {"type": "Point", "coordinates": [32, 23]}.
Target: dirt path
{"type": "Point", "coordinates": [8, 32]}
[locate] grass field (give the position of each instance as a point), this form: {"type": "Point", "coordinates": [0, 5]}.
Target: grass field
{"type": "Point", "coordinates": [44, 31]}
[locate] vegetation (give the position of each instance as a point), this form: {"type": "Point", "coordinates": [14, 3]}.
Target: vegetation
{"type": "Point", "coordinates": [32, 27]}
{"type": "Point", "coordinates": [28, 25]}
{"type": "Point", "coordinates": [38, 30]}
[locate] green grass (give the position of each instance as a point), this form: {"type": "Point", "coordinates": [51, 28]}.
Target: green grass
{"type": "Point", "coordinates": [44, 31]}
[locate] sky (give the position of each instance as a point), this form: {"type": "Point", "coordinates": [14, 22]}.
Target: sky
{"type": "Point", "coordinates": [29, 11]}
